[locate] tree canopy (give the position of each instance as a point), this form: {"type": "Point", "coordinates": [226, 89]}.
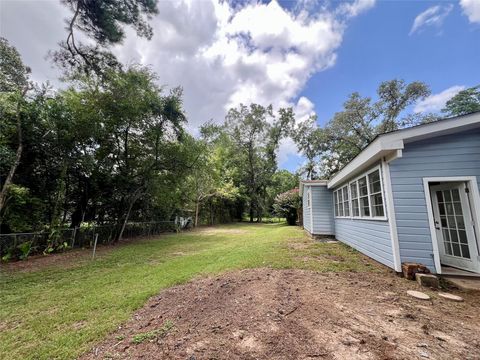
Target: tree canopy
{"type": "Point", "coordinates": [465, 102]}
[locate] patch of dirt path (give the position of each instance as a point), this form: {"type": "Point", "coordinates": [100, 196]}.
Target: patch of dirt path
{"type": "Point", "coordinates": [295, 314]}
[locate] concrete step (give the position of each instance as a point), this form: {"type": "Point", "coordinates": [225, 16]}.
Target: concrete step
{"type": "Point", "coordinates": [464, 283]}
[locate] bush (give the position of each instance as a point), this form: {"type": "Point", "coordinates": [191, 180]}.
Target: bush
{"type": "Point", "coordinates": [287, 204]}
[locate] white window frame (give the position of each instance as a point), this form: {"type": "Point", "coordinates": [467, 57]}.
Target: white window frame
{"type": "Point", "coordinates": [350, 201]}
{"type": "Point", "coordinates": [338, 195]}
{"type": "Point", "coordinates": [309, 198]}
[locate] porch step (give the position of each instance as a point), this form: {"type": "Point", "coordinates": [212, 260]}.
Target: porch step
{"type": "Point", "coordinates": [467, 283]}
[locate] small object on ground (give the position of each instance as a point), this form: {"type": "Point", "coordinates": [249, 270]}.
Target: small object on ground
{"type": "Point", "coordinates": [451, 297]}
{"type": "Point", "coordinates": [424, 354]}
{"type": "Point", "coordinates": [418, 295]}
{"type": "Point", "coordinates": [427, 280]}
{"type": "Point", "coordinates": [410, 269]}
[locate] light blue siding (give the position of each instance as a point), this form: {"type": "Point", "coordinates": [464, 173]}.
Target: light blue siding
{"type": "Point", "coordinates": [371, 237]}
{"type": "Point", "coordinates": [450, 155]}
{"type": "Point", "coordinates": [322, 206]}
{"type": "Point", "coordinates": [322, 210]}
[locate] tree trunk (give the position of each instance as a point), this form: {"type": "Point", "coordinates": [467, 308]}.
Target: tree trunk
{"type": "Point", "coordinates": [197, 209]}
{"type": "Point", "coordinates": [135, 197]}
{"type": "Point", "coordinates": [18, 155]}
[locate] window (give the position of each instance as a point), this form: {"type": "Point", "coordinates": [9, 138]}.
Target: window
{"type": "Point", "coordinates": [361, 198]}
{"type": "Point", "coordinates": [354, 194]}
{"type": "Point", "coordinates": [342, 204]}
{"type": "Point", "coordinates": [309, 198]}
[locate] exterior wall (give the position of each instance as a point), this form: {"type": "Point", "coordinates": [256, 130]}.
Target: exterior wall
{"type": "Point", "coordinates": [322, 211]}
{"type": "Point", "coordinates": [450, 155]}
{"type": "Point", "coordinates": [370, 237]}
{"type": "Point", "coordinates": [322, 206]}
{"type": "Point", "coordinates": [306, 211]}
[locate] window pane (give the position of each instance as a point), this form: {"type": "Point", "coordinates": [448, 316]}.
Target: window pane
{"type": "Point", "coordinates": [451, 222]}
{"type": "Point", "coordinates": [444, 221]}
{"type": "Point", "coordinates": [441, 208]}
{"type": "Point", "coordinates": [455, 195]}
{"type": "Point", "coordinates": [346, 209]}
{"type": "Point", "coordinates": [345, 193]}
{"type": "Point", "coordinates": [460, 222]}
{"type": "Point", "coordinates": [449, 207]}
{"type": "Point", "coordinates": [364, 208]}
{"type": "Point", "coordinates": [463, 236]}
{"type": "Point", "coordinates": [458, 208]}
{"type": "Point", "coordinates": [378, 211]}
{"type": "Point", "coordinates": [446, 237]}
{"type": "Point", "coordinates": [456, 249]}
{"type": "Point", "coordinates": [447, 195]}
{"type": "Point", "coordinates": [453, 236]}
{"type": "Point", "coordinates": [440, 196]}
{"type": "Point", "coordinates": [356, 210]}
{"type": "Point", "coordinates": [374, 181]}
{"type": "Point", "coordinates": [353, 190]}
{"type": "Point", "coordinates": [448, 248]}
{"type": "Point", "coordinates": [362, 185]}
{"type": "Point", "coordinates": [465, 251]}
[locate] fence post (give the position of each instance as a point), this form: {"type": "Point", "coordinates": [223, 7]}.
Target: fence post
{"type": "Point", "coordinates": [73, 236]}
{"type": "Point", "coordinates": [95, 246]}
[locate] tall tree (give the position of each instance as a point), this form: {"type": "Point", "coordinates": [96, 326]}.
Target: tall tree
{"type": "Point", "coordinates": [465, 102]}
{"type": "Point", "coordinates": [14, 85]}
{"type": "Point", "coordinates": [256, 133]}
{"type": "Point", "coordinates": [309, 138]}
{"type": "Point", "coordinates": [361, 120]}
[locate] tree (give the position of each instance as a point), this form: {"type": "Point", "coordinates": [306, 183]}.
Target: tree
{"type": "Point", "coordinates": [465, 102]}
{"type": "Point", "coordinates": [309, 138]}
{"type": "Point", "coordinates": [102, 21]}
{"type": "Point", "coordinates": [361, 120]}
{"type": "Point", "coordinates": [14, 85]}
{"type": "Point", "coordinates": [256, 133]}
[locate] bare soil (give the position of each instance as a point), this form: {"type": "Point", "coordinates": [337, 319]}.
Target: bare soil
{"type": "Point", "coordinates": [296, 314]}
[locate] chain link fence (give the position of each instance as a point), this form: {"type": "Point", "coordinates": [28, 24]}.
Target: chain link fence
{"type": "Point", "coordinates": [19, 246]}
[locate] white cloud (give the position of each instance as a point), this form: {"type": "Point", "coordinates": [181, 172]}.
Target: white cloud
{"type": "Point", "coordinates": [471, 8]}
{"type": "Point", "coordinates": [221, 54]}
{"type": "Point", "coordinates": [436, 102]}
{"type": "Point", "coordinates": [433, 16]}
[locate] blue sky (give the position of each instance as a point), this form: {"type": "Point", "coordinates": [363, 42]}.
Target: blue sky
{"type": "Point", "coordinates": [308, 54]}
{"type": "Point", "coordinates": [377, 46]}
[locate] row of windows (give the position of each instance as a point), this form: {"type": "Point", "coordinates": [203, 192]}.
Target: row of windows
{"type": "Point", "coordinates": [361, 198]}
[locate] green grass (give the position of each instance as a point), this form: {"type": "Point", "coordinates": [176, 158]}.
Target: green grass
{"type": "Point", "coordinates": [59, 313]}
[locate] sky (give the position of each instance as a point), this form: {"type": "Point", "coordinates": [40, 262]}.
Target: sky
{"type": "Point", "coordinates": [306, 54]}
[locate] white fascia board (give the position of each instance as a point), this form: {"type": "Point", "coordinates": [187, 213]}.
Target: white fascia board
{"type": "Point", "coordinates": [316, 183]}
{"type": "Point", "coordinates": [372, 154]}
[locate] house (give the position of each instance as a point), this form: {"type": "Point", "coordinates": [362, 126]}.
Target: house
{"type": "Point", "coordinates": [411, 195]}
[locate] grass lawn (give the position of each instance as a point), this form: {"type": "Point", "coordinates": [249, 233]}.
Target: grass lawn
{"type": "Point", "coordinates": [60, 312]}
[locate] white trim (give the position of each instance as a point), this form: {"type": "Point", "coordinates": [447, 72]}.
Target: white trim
{"type": "Point", "coordinates": [310, 183]}
{"type": "Point", "coordinates": [364, 174]}
{"type": "Point", "coordinates": [391, 215]}
{"type": "Point", "coordinates": [473, 186]}
{"type": "Point", "coordinates": [384, 144]}
{"type": "Point", "coordinates": [311, 210]}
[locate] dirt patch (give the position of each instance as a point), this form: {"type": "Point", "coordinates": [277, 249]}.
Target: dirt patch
{"type": "Point", "coordinates": [294, 314]}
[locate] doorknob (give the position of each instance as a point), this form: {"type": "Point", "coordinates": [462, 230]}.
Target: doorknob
{"type": "Point", "coordinates": [437, 225]}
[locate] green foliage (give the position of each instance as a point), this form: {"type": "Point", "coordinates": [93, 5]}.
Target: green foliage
{"type": "Point", "coordinates": [361, 120]}
{"type": "Point", "coordinates": [13, 73]}
{"type": "Point", "coordinates": [465, 102]}
{"type": "Point", "coordinates": [104, 22]}
{"type": "Point", "coordinates": [41, 309]}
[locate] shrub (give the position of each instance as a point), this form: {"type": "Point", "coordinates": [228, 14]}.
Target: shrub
{"type": "Point", "coordinates": [287, 204]}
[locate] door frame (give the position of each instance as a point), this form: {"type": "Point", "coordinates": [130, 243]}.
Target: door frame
{"type": "Point", "coordinates": [475, 209]}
